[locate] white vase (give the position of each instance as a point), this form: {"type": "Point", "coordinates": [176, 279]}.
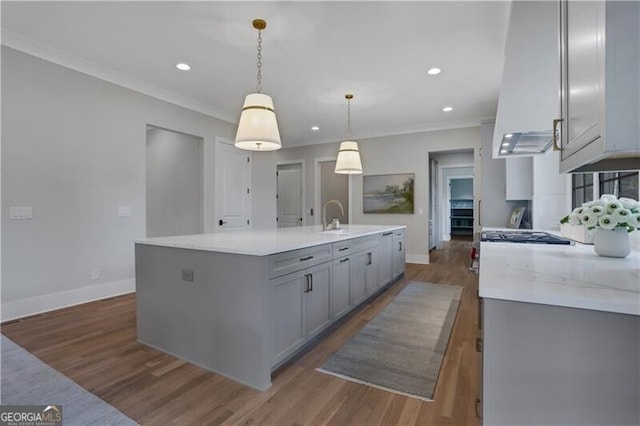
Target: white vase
{"type": "Point", "coordinates": [612, 243]}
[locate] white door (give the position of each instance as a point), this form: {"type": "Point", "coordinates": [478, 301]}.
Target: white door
{"type": "Point", "coordinates": [233, 186]}
{"type": "Point", "coordinates": [289, 195]}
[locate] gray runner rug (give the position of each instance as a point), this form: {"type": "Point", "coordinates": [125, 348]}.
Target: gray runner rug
{"type": "Point", "coordinates": [28, 381]}
{"type": "Point", "coordinates": [401, 349]}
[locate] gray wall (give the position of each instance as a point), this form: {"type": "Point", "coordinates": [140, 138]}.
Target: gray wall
{"type": "Point", "coordinates": [73, 148]}
{"type": "Point", "coordinates": [174, 183]}
{"type": "Point", "coordinates": [407, 153]}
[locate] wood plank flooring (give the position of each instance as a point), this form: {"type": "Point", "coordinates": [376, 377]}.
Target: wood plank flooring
{"type": "Point", "coordinates": [95, 345]}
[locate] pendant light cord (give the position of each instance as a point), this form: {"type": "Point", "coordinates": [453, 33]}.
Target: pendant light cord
{"type": "Point", "coordinates": [349, 118]}
{"type": "Point", "coordinates": [259, 63]}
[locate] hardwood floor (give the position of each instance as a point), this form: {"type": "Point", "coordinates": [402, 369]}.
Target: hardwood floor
{"type": "Point", "coordinates": [95, 345]}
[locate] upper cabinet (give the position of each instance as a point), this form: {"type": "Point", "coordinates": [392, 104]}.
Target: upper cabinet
{"type": "Point", "coordinates": [600, 85]}
{"type": "Point", "coordinates": [529, 93]}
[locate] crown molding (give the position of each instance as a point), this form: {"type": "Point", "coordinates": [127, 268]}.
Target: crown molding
{"type": "Point", "coordinates": [67, 60]}
{"type": "Point", "coordinates": [432, 127]}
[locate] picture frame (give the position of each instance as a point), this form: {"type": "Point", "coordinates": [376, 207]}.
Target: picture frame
{"type": "Point", "coordinates": [516, 217]}
{"type": "Point", "coordinates": [388, 194]}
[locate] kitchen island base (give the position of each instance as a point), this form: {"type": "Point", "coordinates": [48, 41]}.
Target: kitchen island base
{"type": "Point", "coordinates": [242, 315]}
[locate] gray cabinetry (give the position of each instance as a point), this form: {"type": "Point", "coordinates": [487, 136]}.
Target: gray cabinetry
{"type": "Point", "coordinates": [398, 261]}
{"type": "Point", "coordinates": [600, 96]}
{"type": "Point", "coordinates": [554, 365]}
{"type": "Point", "coordinates": [385, 260]}
{"type": "Point", "coordinates": [300, 308]}
{"type": "Point", "coordinates": [364, 274]}
{"type": "Point", "coordinates": [340, 286]}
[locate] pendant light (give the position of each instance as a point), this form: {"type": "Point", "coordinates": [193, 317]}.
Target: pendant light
{"type": "Point", "coordinates": [348, 162]}
{"type": "Point", "coordinates": [258, 127]}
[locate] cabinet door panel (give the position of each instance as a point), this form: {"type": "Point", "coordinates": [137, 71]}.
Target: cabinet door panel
{"type": "Point", "coordinates": [398, 257]}
{"type": "Point", "coordinates": [340, 286]}
{"type": "Point", "coordinates": [318, 299]}
{"type": "Point", "coordinates": [371, 271]}
{"type": "Point", "coordinates": [583, 77]}
{"type": "Point", "coordinates": [385, 262]}
{"type": "Point", "coordinates": [358, 277]}
{"type": "Point", "coordinates": [288, 314]}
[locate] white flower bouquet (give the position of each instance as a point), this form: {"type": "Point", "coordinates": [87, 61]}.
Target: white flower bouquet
{"type": "Point", "coordinates": [608, 212]}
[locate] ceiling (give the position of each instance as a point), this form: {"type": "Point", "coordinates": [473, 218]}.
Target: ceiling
{"type": "Point", "coordinates": [313, 54]}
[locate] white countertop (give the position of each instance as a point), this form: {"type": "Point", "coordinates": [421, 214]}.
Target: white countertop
{"type": "Point", "coordinates": [571, 276]}
{"type": "Point", "coordinates": [268, 241]}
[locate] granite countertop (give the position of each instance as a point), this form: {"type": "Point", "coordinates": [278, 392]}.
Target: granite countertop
{"type": "Point", "coordinates": [268, 241]}
{"type": "Point", "coordinates": [570, 276]}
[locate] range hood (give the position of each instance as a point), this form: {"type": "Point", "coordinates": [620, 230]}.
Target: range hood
{"type": "Point", "coordinates": [530, 90]}
{"type": "Point", "coordinates": [526, 143]}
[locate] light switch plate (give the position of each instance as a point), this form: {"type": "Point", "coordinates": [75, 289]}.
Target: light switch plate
{"type": "Point", "coordinates": [20, 213]}
{"type": "Point", "coordinates": [124, 211]}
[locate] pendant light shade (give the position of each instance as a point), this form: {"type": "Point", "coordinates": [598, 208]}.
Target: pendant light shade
{"type": "Point", "coordinates": [258, 126]}
{"type": "Point", "coordinates": [348, 162]}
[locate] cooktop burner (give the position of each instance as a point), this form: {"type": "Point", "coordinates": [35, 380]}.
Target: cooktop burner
{"type": "Point", "coordinates": [531, 237]}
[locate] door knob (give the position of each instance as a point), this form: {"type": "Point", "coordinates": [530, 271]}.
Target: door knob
{"type": "Point", "coordinates": [221, 222]}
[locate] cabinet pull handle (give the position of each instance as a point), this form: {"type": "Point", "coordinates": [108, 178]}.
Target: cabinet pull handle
{"type": "Point", "coordinates": [343, 249]}
{"type": "Point", "coordinates": [310, 282]}
{"type": "Point", "coordinates": [478, 408]}
{"type": "Point", "coordinates": [303, 259]}
{"type": "Point", "coordinates": [370, 261]}
{"type": "Point", "coordinates": [556, 121]}
{"type": "Point", "coordinates": [399, 245]}
{"type": "Point", "coordinates": [346, 259]}
{"type": "Point", "coordinates": [306, 283]}
{"type": "Point", "coordinates": [384, 234]}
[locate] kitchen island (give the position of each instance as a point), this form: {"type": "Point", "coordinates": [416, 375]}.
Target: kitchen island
{"type": "Point", "coordinates": [241, 303]}
{"type": "Point", "coordinates": [560, 335]}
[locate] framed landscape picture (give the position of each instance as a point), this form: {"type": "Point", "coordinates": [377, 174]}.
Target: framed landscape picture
{"type": "Point", "coordinates": [388, 193]}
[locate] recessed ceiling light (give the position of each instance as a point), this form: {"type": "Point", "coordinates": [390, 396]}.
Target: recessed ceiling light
{"type": "Point", "coordinates": [315, 128]}
{"type": "Point", "coordinates": [508, 136]}
{"type": "Point", "coordinates": [183, 67]}
{"type": "Point", "coordinates": [505, 144]}
{"type": "Point", "coordinates": [447, 109]}
{"type": "Point", "coordinates": [434, 71]}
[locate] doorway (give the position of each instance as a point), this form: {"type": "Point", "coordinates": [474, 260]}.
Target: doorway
{"type": "Point", "coordinates": [290, 194]}
{"type": "Point", "coordinates": [174, 184]}
{"type": "Point", "coordinates": [444, 166]}
{"type": "Point", "coordinates": [331, 186]}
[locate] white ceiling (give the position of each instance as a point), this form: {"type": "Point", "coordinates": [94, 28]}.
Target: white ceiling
{"type": "Point", "coordinates": [313, 53]}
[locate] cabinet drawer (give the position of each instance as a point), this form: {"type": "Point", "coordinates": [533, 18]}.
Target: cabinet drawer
{"type": "Point", "coordinates": [291, 261]}
{"type": "Point", "coordinates": [398, 234]}
{"type": "Point", "coordinates": [364, 243]}
{"type": "Point", "coordinates": [342, 248]}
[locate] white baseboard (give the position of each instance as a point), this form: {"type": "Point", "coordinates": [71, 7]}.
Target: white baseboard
{"type": "Point", "coordinates": [422, 259]}
{"type": "Point", "coordinates": [49, 302]}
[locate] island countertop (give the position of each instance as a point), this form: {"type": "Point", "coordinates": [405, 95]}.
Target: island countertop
{"type": "Point", "coordinates": [268, 241]}
{"type": "Point", "coordinates": [570, 276]}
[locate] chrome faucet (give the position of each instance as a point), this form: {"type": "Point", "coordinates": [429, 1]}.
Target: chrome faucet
{"type": "Point", "coordinates": [324, 212]}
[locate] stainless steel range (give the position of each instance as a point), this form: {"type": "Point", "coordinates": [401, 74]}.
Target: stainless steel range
{"type": "Point", "coordinates": [528, 237]}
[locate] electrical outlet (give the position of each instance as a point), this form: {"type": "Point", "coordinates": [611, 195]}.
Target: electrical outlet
{"type": "Point", "coordinates": [95, 274]}
{"type": "Point", "coordinates": [124, 211]}
{"type": "Point", "coordinates": [187, 275]}
{"type": "Point", "coordinates": [20, 213]}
